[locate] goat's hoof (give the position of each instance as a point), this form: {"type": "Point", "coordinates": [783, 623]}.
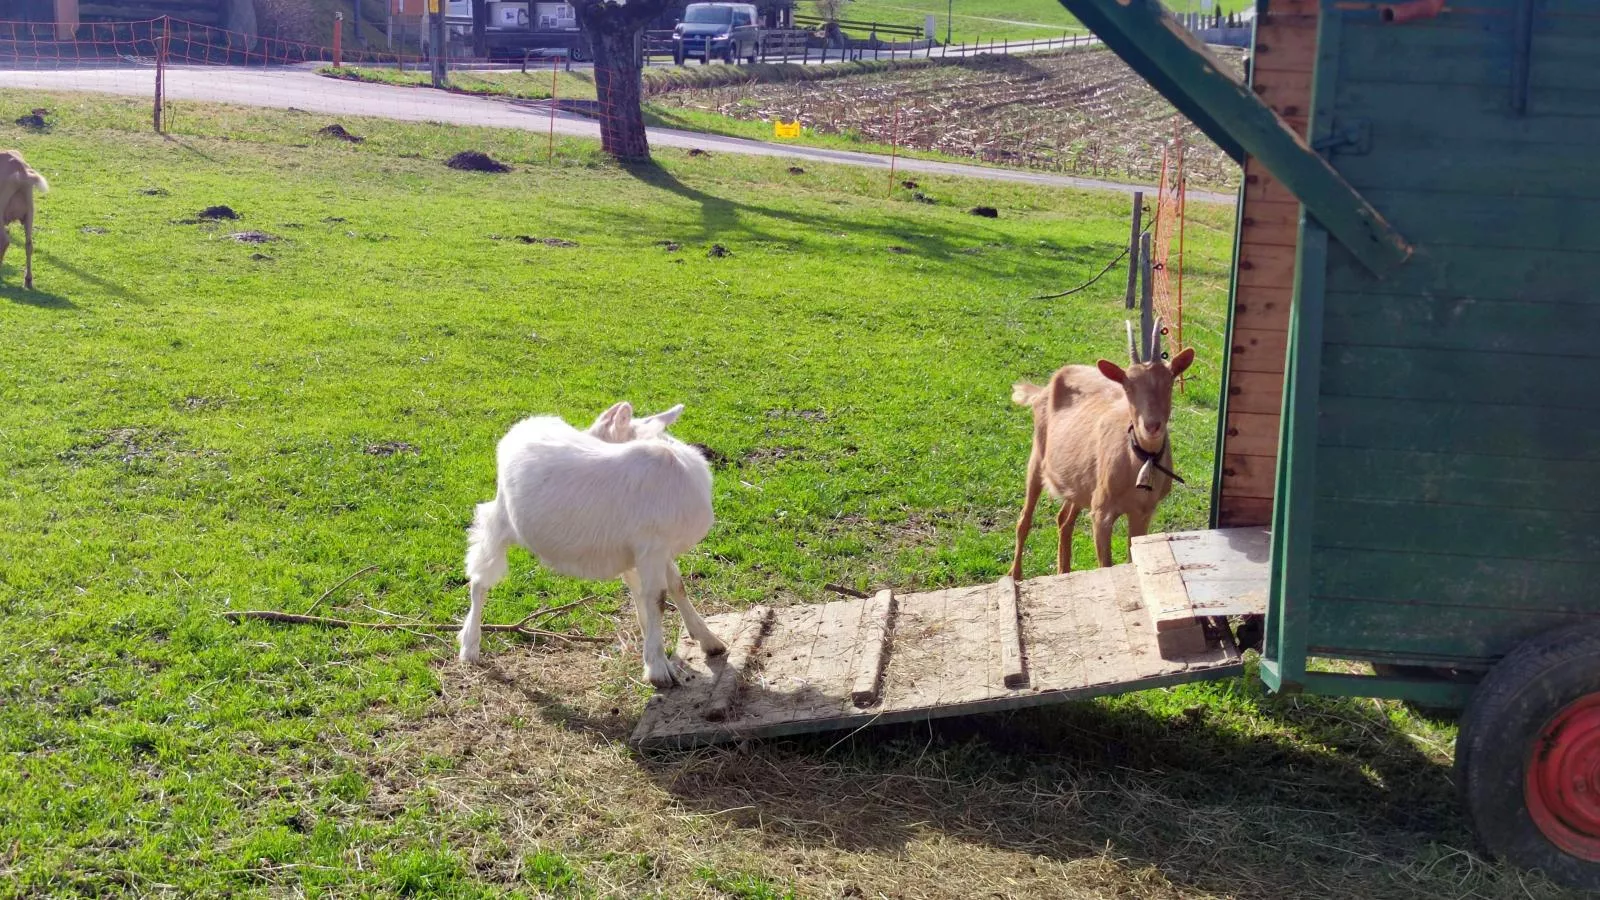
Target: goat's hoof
{"type": "Point", "coordinates": [662, 678]}
{"type": "Point", "coordinates": [472, 657]}
{"type": "Point", "coordinates": [713, 647]}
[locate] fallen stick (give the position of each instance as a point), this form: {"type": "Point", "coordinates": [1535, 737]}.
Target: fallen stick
{"type": "Point", "coordinates": [520, 629]}
{"type": "Point", "coordinates": [329, 592]}
{"type": "Point", "coordinates": [848, 592]}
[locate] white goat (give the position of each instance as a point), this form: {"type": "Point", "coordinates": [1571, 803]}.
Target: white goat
{"type": "Point", "coordinates": [1100, 441]}
{"type": "Point", "coordinates": [622, 498]}
{"type": "Point", "coordinates": [17, 185]}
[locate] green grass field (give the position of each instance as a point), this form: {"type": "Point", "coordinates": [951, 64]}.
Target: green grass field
{"type": "Point", "coordinates": [192, 423]}
{"type": "Point", "coordinates": [980, 21]}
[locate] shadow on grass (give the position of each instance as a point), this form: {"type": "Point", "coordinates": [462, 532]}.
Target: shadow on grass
{"type": "Point", "coordinates": [22, 296]}
{"type": "Point", "coordinates": [1212, 806]}
{"type": "Point", "coordinates": [725, 219]}
{"type": "Point", "coordinates": [110, 287]}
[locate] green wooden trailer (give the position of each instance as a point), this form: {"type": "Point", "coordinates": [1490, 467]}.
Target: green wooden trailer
{"type": "Point", "coordinates": [1405, 453]}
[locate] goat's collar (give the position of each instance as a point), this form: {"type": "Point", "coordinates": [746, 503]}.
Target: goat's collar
{"type": "Point", "coordinates": [1150, 461]}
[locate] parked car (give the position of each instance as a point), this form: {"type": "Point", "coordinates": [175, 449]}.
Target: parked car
{"type": "Point", "coordinates": [727, 31]}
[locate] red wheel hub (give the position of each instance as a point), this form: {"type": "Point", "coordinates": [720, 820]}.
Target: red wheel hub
{"type": "Point", "coordinates": [1563, 781]}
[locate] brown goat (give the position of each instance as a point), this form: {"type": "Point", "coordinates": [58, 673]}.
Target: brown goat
{"type": "Point", "coordinates": [17, 184]}
{"type": "Point", "coordinates": [1100, 441]}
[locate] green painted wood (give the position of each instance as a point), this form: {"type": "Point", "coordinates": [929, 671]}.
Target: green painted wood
{"type": "Point", "coordinates": [1556, 115]}
{"type": "Point", "coordinates": [1466, 324]}
{"type": "Point", "coordinates": [1430, 164]}
{"type": "Point", "coordinates": [1410, 527]}
{"type": "Point", "coordinates": [1476, 220]}
{"type": "Point", "coordinates": [1151, 41]}
{"type": "Point", "coordinates": [1459, 581]}
{"type": "Point", "coordinates": [1447, 636]}
{"type": "Point", "coordinates": [1481, 272]}
{"type": "Point", "coordinates": [1438, 694]}
{"type": "Point", "coordinates": [1474, 56]}
{"type": "Point", "coordinates": [1470, 378]}
{"type": "Point", "coordinates": [1515, 432]}
{"type": "Point", "coordinates": [1462, 479]}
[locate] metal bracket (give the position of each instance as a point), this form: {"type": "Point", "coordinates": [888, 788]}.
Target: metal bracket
{"type": "Point", "coordinates": [1352, 137]}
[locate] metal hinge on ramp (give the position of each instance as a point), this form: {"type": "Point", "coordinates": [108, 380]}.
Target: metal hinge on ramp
{"type": "Point", "coordinates": [1352, 137]}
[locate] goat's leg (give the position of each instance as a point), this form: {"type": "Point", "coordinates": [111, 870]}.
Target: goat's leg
{"type": "Point", "coordinates": [709, 643]}
{"type": "Point", "coordinates": [1066, 520]}
{"type": "Point", "coordinates": [27, 243]}
{"type": "Point", "coordinates": [1104, 521]}
{"type": "Point", "coordinates": [487, 543]}
{"type": "Point", "coordinates": [648, 600]}
{"type": "Point", "coordinates": [1035, 486]}
{"type": "Point", "coordinates": [5, 244]}
{"type": "Point", "coordinates": [1139, 524]}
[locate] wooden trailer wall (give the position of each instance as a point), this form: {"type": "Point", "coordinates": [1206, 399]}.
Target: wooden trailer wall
{"type": "Point", "coordinates": [1440, 497]}
{"type": "Point", "coordinates": [1247, 453]}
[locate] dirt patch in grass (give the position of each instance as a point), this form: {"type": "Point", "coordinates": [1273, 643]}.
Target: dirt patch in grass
{"type": "Point", "coordinates": [126, 444]}
{"type": "Point", "coordinates": [215, 213]}
{"type": "Point", "coordinates": [338, 132]}
{"type": "Point", "coordinates": [546, 241]}
{"type": "Point", "coordinates": [253, 237]}
{"type": "Point", "coordinates": [987, 212]}
{"type": "Point", "coordinates": [717, 251]}
{"type": "Point", "coordinates": [475, 161]}
{"type": "Point", "coordinates": [34, 121]}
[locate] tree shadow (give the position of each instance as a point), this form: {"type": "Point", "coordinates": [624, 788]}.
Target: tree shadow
{"type": "Point", "coordinates": [110, 287]}
{"type": "Point", "coordinates": [721, 218]}
{"type": "Point", "coordinates": [32, 297]}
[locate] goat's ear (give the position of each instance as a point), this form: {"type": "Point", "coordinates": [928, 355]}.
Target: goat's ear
{"type": "Point", "coordinates": [1112, 371]}
{"type": "Point", "coordinates": [1182, 361]}
{"type": "Point", "coordinates": [665, 418]}
{"type": "Point", "coordinates": [618, 416]}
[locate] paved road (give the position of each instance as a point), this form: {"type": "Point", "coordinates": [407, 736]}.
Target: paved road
{"type": "Point", "coordinates": [297, 88]}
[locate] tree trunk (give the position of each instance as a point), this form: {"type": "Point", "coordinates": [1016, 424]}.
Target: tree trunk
{"type": "Point", "coordinates": [480, 28]}
{"type": "Point", "coordinates": [618, 87]}
{"type": "Point", "coordinates": [616, 31]}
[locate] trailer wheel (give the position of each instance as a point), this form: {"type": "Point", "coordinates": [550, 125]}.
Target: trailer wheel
{"type": "Point", "coordinates": [1528, 757]}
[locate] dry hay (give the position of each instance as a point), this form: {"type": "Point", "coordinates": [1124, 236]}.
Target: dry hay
{"type": "Point", "coordinates": [1084, 801]}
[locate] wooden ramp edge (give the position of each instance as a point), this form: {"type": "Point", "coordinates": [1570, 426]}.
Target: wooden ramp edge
{"type": "Point", "coordinates": [1189, 576]}
{"type": "Point", "coordinates": [892, 658]}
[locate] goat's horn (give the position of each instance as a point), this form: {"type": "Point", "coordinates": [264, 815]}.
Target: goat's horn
{"type": "Point", "coordinates": [1133, 348]}
{"type": "Point", "coordinates": [1155, 341]}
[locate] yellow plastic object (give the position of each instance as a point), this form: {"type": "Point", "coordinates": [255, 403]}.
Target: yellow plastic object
{"type": "Point", "coordinates": [784, 129]}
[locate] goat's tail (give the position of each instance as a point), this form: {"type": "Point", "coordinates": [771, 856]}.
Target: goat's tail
{"type": "Point", "coordinates": [38, 182]}
{"type": "Point", "coordinates": [1025, 393]}
{"type": "Point", "coordinates": [487, 541]}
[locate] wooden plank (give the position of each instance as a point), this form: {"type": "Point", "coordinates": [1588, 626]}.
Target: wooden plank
{"type": "Point", "coordinates": [1517, 432]}
{"type": "Point", "coordinates": [1409, 526]}
{"type": "Point", "coordinates": [1352, 628]}
{"type": "Point", "coordinates": [741, 656]}
{"type": "Point", "coordinates": [1262, 352]}
{"type": "Point", "coordinates": [1008, 630]}
{"type": "Point", "coordinates": [1476, 272]}
{"type": "Point", "coordinates": [1287, 44]}
{"type": "Point", "coordinates": [1465, 219]}
{"type": "Point", "coordinates": [1274, 222]}
{"type": "Point", "coordinates": [1249, 476]}
{"type": "Point", "coordinates": [1255, 393]}
{"type": "Point", "coordinates": [877, 621]}
{"type": "Point", "coordinates": [1235, 512]}
{"type": "Point", "coordinates": [1255, 434]}
{"type": "Point", "coordinates": [1467, 376]}
{"type": "Point", "coordinates": [943, 662]}
{"type": "Point", "coordinates": [1466, 324]}
{"type": "Point", "coordinates": [1463, 583]}
{"type": "Point", "coordinates": [1160, 582]}
{"type": "Point", "coordinates": [830, 673]}
{"type": "Point", "coordinates": [1262, 187]}
{"type": "Point", "coordinates": [1459, 479]}
{"type": "Point", "coordinates": [1262, 308]}
{"type": "Point", "coordinates": [1266, 266]}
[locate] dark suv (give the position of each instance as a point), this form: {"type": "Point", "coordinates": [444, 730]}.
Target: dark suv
{"type": "Point", "coordinates": [717, 30]}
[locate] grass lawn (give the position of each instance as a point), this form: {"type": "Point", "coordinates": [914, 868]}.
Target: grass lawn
{"type": "Point", "coordinates": [975, 21]}
{"type": "Point", "coordinates": [192, 423]}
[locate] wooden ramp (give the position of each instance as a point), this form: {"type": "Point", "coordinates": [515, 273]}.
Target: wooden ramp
{"type": "Point", "coordinates": [888, 658]}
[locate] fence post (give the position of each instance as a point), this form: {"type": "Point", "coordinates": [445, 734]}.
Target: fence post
{"type": "Point", "coordinates": [338, 38]}
{"type": "Point", "coordinates": [555, 68]}
{"type": "Point", "coordinates": [1133, 249]}
{"type": "Point", "coordinates": [1146, 296]}
{"type": "Point", "coordinates": [159, 109]}
{"type": "Point", "coordinates": [894, 145]}
{"type": "Point", "coordinates": [439, 48]}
